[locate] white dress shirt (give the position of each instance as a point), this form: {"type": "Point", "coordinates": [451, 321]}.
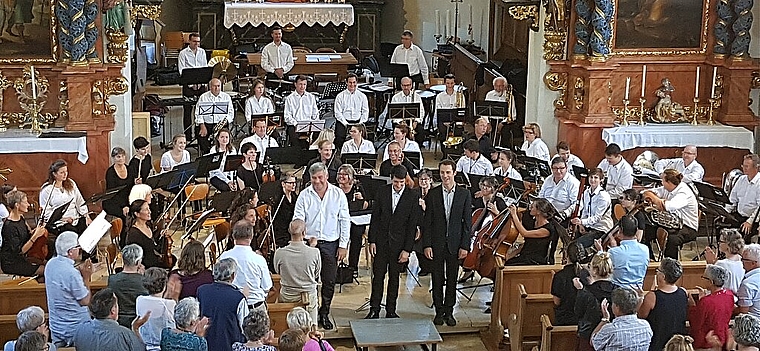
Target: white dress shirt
{"type": "Point", "coordinates": [261, 144]}
{"type": "Point", "coordinates": [745, 196]}
{"type": "Point", "coordinates": [414, 58]}
{"type": "Point", "coordinates": [219, 100]}
{"type": "Point", "coordinates": [444, 101]}
{"type": "Point", "coordinates": [168, 163]}
{"type": "Point", "coordinates": [537, 149]}
{"type": "Point", "coordinates": [511, 172]}
{"type": "Point", "coordinates": [189, 59]}
{"type": "Point", "coordinates": [349, 147]}
{"type": "Point", "coordinates": [77, 208]}
{"type": "Point", "coordinates": [300, 108]}
{"type": "Point", "coordinates": [682, 203]}
{"type": "Point", "coordinates": [482, 166]}
{"type": "Point", "coordinates": [351, 108]}
{"type": "Point", "coordinates": [563, 194]}
{"type": "Point", "coordinates": [395, 197]}
{"type": "Point", "coordinates": [494, 96]}
{"type": "Point", "coordinates": [596, 209]}
{"type": "Point", "coordinates": [693, 173]}
{"type": "Point", "coordinates": [261, 106]}
{"type": "Point", "coordinates": [401, 98]}
{"type": "Point", "coordinates": [409, 146]}
{"type": "Point", "coordinates": [220, 173]}
{"type": "Point", "coordinates": [252, 272]}
{"type": "Point", "coordinates": [277, 56]}
{"type": "Point", "coordinates": [619, 176]}
{"type": "Point", "coordinates": [572, 160]}
{"type": "Point", "coordinates": [326, 218]}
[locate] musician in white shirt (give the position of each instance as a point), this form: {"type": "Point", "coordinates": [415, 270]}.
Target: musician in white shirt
{"type": "Point", "coordinates": [676, 197]}
{"type": "Point", "coordinates": [533, 145]}
{"type": "Point", "coordinates": [560, 188]}
{"type": "Point", "coordinates": [596, 206]}
{"type": "Point", "coordinates": [413, 57]}
{"type": "Point", "coordinates": [300, 105]}
{"type": "Point", "coordinates": [260, 139]}
{"type": "Point", "coordinates": [193, 56]}
{"type": "Point", "coordinates": [407, 95]}
{"type": "Point", "coordinates": [221, 180]}
{"type": "Point", "coordinates": [277, 56]}
{"type": "Point", "coordinates": [688, 166]}
{"type": "Point", "coordinates": [745, 196]}
{"type": "Point", "coordinates": [563, 150]}
{"type": "Point", "coordinates": [324, 208]}
{"type": "Point", "coordinates": [619, 172]}
{"type": "Point", "coordinates": [350, 108]}
{"type": "Point", "coordinates": [502, 92]}
{"type": "Point", "coordinates": [472, 162]}
{"type": "Point", "coordinates": [208, 121]}
{"type": "Point", "coordinates": [505, 169]}
{"type": "Point", "coordinates": [357, 144]}
{"type": "Point", "coordinates": [258, 104]}
{"type": "Point", "coordinates": [401, 136]}
{"type": "Point", "coordinates": [445, 100]}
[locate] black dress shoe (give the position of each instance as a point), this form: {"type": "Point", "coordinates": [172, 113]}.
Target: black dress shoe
{"type": "Point", "coordinates": [423, 273]}
{"type": "Point", "coordinates": [391, 315]}
{"type": "Point", "coordinates": [450, 321]}
{"type": "Point", "coordinates": [372, 315]}
{"type": "Point", "coordinates": [438, 320]}
{"type": "Point", "coordinates": [324, 320]}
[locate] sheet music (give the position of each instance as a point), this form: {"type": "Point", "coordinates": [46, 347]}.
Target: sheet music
{"type": "Point", "coordinates": [96, 230]}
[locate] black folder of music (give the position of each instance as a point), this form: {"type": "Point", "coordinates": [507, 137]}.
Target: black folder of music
{"type": "Point", "coordinates": [713, 200]}
{"type": "Point", "coordinates": [196, 75]}
{"type": "Point", "coordinates": [282, 155]}
{"type": "Point", "coordinates": [359, 160]}
{"type": "Point", "coordinates": [415, 158]}
{"type": "Point", "coordinates": [54, 220]}
{"type": "Point", "coordinates": [403, 111]}
{"type": "Point", "coordinates": [498, 110]}
{"type": "Point", "coordinates": [207, 163]}
{"type": "Point", "coordinates": [106, 195]}
{"type": "Point", "coordinates": [233, 162]}
{"type": "Point", "coordinates": [451, 115]}
{"type": "Point", "coordinates": [535, 167]}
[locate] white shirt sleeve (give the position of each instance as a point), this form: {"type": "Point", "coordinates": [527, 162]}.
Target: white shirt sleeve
{"type": "Point", "coordinates": [290, 111]}
{"type": "Point", "coordinates": [423, 65]}
{"type": "Point", "coordinates": [266, 61]}
{"type": "Point", "coordinates": [289, 60]}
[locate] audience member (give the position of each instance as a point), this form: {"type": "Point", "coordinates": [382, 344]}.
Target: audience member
{"type": "Point", "coordinates": [103, 332]}
{"type": "Point", "coordinates": [590, 295]}
{"type": "Point", "coordinates": [666, 305]}
{"type": "Point", "coordinates": [563, 292]}
{"type": "Point", "coordinates": [627, 332]}
{"type": "Point", "coordinates": [190, 274]}
{"type": "Point", "coordinates": [299, 319]}
{"type": "Point", "coordinates": [30, 341]}
{"type": "Point", "coordinates": [299, 266]}
{"type": "Point", "coordinates": [291, 340]}
{"type": "Point", "coordinates": [128, 284]}
{"type": "Point", "coordinates": [160, 308]}
{"type": "Point", "coordinates": [679, 343]}
{"type": "Point", "coordinates": [630, 258]}
{"type": "Point", "coordinates": [225, 306]}
{"type": "Point", "coordinates": [749, 291]}
{"type": "Point", "coordinates": [709, 317]}
{"type": "Point", "coordinates": [731, 243]}
{"type": "Point", "coordinates": [745, 333]}
{"type": "Point", "coordinates": [190, 331]}
{"type": "Point", "coordinates": [67, 290]}
{"type": "Point", "coordinates": [252, 274]}
{"type": "Point", "coordinates": [257, 333]}
{"type": "Point", "coordinates": [31, 318]}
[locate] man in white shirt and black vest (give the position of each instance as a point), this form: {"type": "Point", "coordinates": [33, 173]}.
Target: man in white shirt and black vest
{"type": "Point", "coordinates": [350, 108]}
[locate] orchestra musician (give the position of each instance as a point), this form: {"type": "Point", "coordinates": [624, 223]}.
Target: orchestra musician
{"type": "Point", "coordinates": [139, 232]}
{"type": "Point", "coordinates": [249, 173]}
{"type": "Point", "coordinates": [221, 180]}
{"type": "Point", "coordinates": [141, 164]}
{"type": "Point", "coordinates": [560, 188]}
{"type": "Point", "coordinates": [57, 191]}
{"type": "Point", "coordinates": [351, 107]}
{"type": "Point", "coordinates": [540, 243]}
{"type": "Point", "coordinates": [391, 237]}
{"type": "Point", "coordinates": [328, 158]}
{"type": "Point", "coordinates": [260, 139]}
{"type": "Point", "coordinates": [484, 141]}
{"type": "Point", "coordinates": [533, 145]}
{"type": "Point", "coordinates": [629, 199]}
{"type": "Point", "coordinates": [618, 171]}
{"type": "Point", "coordinates": [395, 158]}
{"type": "Point", "coordinates": [118, 175]}
{"type": "Point", "coordinates": [401, 137]}
{"type": "Point", "coordinates": [193, 56]}
{"type": "Point", "coordinates": [425, 180]}
{"type": "Point", "coordinates": [503, 92]}
{"type": "Point", "coordinates": [407, 95]}
{"type": "Point", "coordinates": [493, 203]}
{"type": "Point", "coordinates": [676, 197]}
{"type": "Point", "coordinates": [563, 150]}
{"type": "Point", "coordinates": [596, 207]}
{"type": "Point", "coordinates": [413, 57]}
{"type": "Point", "coordinates": [355, 196]}
{"type": "Point", "coordinates": [446, 238]}
{"type": "Point", "coordinates": [691, 170]}
{"type": "Point", "coordinates": [745, 197]}
{"type": "Point", "coordinates": [284, 213]}
{"type": "Point", "coordinates": [300, 106]}
{"type": "Point", "coordinates": [357, 143]}
{"type": "Point", "coordinates": [18, 239]}
{"type": "Point", "coordinates": [258, 104]}
{"type": "Point", "coordinates": [324, 208]}
{"type": "Point", "coordinates": [277, 57]}
{"type": "Point", "coordinates": [506, 160]}
{"type": "Point", "coordinates": [473, 162]}
{"type": "Point", "coordinates": [177, 155]}
{"type": "Point", "coordinates": [207, 123]}
{"type": "Point", "coordinates": [445, 100]}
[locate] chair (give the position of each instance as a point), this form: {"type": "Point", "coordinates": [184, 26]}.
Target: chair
{"type": "Point", "coordinates": [326, 50]}
{"type": "Point", "coordinates": [174, 42]}
{"type": "Point", "coordinates": [370, 62]}
{"type": "Point", "coordinates": [157, 165]}
{"type": "Point", "coordinates": [116, 226]}
{"type": "Point", "coordinates": [112, 254]}
{"type": "Point", "coordinates": [301, 50]}
{"type": "Point", "coordinates": [618, 212]}
{"type": "Point", "coordinates": [221, 231]}
{"type": "Point", "coordinates": [212, 254]}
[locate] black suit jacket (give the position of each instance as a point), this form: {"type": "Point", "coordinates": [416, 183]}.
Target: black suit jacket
{"type": "Point", "coordinates": [435, 233]}
{"type": "Point", "coordinates": [391, 230]}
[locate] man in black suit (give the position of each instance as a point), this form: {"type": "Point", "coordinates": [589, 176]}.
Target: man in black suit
{"type": "Point", "coordinates": [391, 237]}
{"type": "Point", "coordinates": [446, 238]}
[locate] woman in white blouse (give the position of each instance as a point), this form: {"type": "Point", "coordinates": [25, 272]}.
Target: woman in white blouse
{"type": "Point", "coordinates": [358, 144]}
{"type": "Point", "coordinates": [221, 180]}
{"type": "Point", "coordinates": [505, 169]}
{"type": "Point", "coordinates": [400, 134]}
{"type": "Point", "coordinates": [177, 155]}
{"type": "Point", "coordinates": [59, 190]}
{"type": "Point", "coordinates": [258, 104]}
{"type": "Point", "coordinates": [533, 145]}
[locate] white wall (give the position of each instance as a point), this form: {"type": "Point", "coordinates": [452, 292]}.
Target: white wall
{"type": "Point", "coordinates": [539, 100]}
{"type": "Point", "coordinates": [122, 132]}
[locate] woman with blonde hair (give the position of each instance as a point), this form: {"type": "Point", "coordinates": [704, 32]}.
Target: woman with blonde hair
{"type": "Point", "coordinates": [679, 343]}
{"type": "Point", "coordinates": [177, 155]}
{"type": "Point", "coordinates": [325, 134]}
{"type": "Point", "coordinates": [587, 303]}
{"type": "Point", "coordinates": [533, 145]}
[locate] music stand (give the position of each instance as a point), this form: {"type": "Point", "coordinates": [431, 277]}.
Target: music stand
{"type": "Point", "coordinates": [360, 161]}
{"type": "Point", "coordinates": [460, 178]}
{"type": "Point", "coordinates": [233, 162]}
{"type": "Point", "coordinates": [474, 180]}
{"type": "Point", "coordinates": [213, 108]}
{"type": "Point", "coordinates": [404, 112]}
{"type": "Point", "coordinates": [181, 174]}
{"type": "Point", "coordinates": [310, 127]}
{"type": "Point", "coordinates": [161, 180]}
{"type": "Point", "coordinates": [712, 193]}
{"type": "Point", "coordinates": [372, 185]}
{"type": "Point", "coordinates": [451, 116]}
{"type": "Point", "coordinates": [197, 224]}
{"type": "Point", "coordinates": [208, 162]}
{"type": "Point", "coordinates": [283, 154]}
{"type": "Point", "coordinates": [106, 195]}
{"type": "Point", "coordinates": [269, 192]}
{"type": "Point", "coordinates": [414, 158]}
{"type": "Point", "coordinates": [492, 109]}
{"type": "Point", "coordinates": [395, 71]}
{"type": "Point", "coordinates": [56, 216]}
{"type": "Point", "coordinates": [304, 157]}
{"type": "Point", "coordinates": [222, 200]}
{"type": "Point", "coordinates": [196, 75]}
{"type": "Point", "coordinates": [580, 172]}
{"type": "Point", "coordinates": [537, 168]}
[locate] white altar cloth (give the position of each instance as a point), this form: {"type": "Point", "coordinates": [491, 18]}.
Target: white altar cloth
{"type": "Point", "coordinates": [242, 13]}
{"type": "Point", "coordinates": [679, 135]}
{"type": "Point", "coordinates": [15, 141]}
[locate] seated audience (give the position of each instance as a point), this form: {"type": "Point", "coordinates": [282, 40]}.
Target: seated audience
{"type": "Point", "coordinates": [190, 274]}
{"type": "Point", "coordinates": [590, 294]}
{"type": "Point", "coordinates": [680, 343]}
{"type": "Point", "coordinates": [31, 341]}
{"type": "Point", "coordinates": [103, 332]}
{"type": "Point", "coordinates": [745, 333]}
{"type": "Point", "coordinates": [627, 332]}
{"type": "Point", "coordinates": [31, 319]}
{"type": "Point", "coordinates": [225, 306]}
{"type": "Point", "coordinates": [299, 266]}
{"type": "Point", "coordinates": [252, 274]}
{"type": "Point", "coordinates": [665, 307]}
{"type": "Point", "coordinates": [299, 319]}
{"type": "Point", "coordinates": [291, 340]}
{"type": "Point", "coordinates": [190, 330]}
{"type": "Point", "coordinates": [563, 292]}
{"type": "Point", "coordinates": [749, 291]}
{"type": "Point", "coordinates": [128, 284]}
{"type": "Point", "coordinates": [731, 244]}
{"type": "Point", "coordinates": [257, 333]}
{"type": "Point", "coordinates": [18, 239]}
{"type": "Point", "coordinates": [630, 258]}
{"type": "Point", "coordinates": [160, 308]}
{"type": "Point", "coordinates": [709, 317]}
{"type": "Point", "coordinates": [67, 290]}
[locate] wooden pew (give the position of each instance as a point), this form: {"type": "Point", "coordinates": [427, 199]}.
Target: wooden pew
{"type": "Point", "coordinates": [523, 326]}
{"type": "Point", "coordinates": [275, 292]}
{"type": "Point", "coordinates": [559, 338]}
{"type": "Point", "coordinates": [278, 313]}
{"type": "Point", "coordinates": [14, 298]}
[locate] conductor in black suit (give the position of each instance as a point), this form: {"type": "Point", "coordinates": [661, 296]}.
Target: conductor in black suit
{"type": "Point", "coordinates": [446, 238]}
{"type": "Point", "coordinates": [391, 237]}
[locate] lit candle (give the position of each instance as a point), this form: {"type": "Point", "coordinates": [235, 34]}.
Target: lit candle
{"type": "Point", "coordinates": [34, 84]}
{"type": "Point", "coordinates": [715, 77]}
{"type": "Point", "coordinates": [448, 22]}
{"type": "Point", "coordinates": [627, 87]}
{"type": "Point", "coordinates": [696, 85]}
{"type": "Point", "coordinates": [643, 80]}
{"type": "Point", "coordinates": [437, 22]}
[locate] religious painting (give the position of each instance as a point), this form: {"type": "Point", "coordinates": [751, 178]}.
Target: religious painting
{"type": "Point", "coordinates": [26, 31]}
{"type": "Point", "coordinates": [661, 26]}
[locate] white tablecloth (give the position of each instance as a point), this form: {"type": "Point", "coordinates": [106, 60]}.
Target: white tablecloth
{"type": "Point", "coordinates": [23, 141]}
{"type": "Point", "coordinates": [679, 135]}
{"type": "Point", "coordinates": [242, 13]}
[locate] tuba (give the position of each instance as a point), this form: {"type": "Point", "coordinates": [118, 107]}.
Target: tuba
{"type": "Point", "coordinates": [659, 218]}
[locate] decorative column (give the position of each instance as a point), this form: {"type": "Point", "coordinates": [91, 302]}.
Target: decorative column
{"type": "Point", "coordinates": [77, 33]}
{"type": "Point", "coordinates": [723, 28]}
{"type": "Point", "coordinates": [582, 27]}
{"type": "Point", "coordinates": [600, 21]}
{"type": "Point", "coordinates": [741, 28]}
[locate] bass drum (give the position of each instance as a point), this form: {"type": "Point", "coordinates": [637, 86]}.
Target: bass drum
{"type": "Point", "coordinates": [730, 178]}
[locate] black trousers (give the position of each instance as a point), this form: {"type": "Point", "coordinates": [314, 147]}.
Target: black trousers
{"type": "Point", "coordinates": [328, 251]}
{"type": "Point", "coordinates": [340, 134]}
{"type": "Point", "coordinates": [445, 271]}
{"type": "Point", "coordinates": [203, 142]}
{"type": "Point", "coordinates": [187, 110]}
{"type": "Point", "coordinates": [676, 238]}
{"type": "Point", "coordinates": [386, 261]}
{"type": "Point", "coordinates": [737, 224]}
{"type": "Point", "coordinates": [355, 247]}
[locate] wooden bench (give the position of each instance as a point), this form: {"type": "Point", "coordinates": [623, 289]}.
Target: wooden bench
{"type": "Point", "coordinates": [559, 338]}
{"type": "Point", "coordinates": [523, 325]}
{"type": "Point", "coordinates": [274, 294]}
{"type": "Point", "coordinates": [278, 313]}
{"type": "Point", "coordinates": [14, 298]}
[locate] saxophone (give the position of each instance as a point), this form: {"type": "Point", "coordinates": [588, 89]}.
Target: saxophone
{"type": "Point", "coordinates": [211, 136]}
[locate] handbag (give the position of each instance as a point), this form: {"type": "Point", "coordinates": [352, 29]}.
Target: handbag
{"type": "Point", "coordinates": [345, 274]}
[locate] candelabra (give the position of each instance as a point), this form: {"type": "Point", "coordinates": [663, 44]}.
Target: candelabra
{"type": "Point", "coordinates": [438, 38]}
{"type": "Point", "coordinates": [626, 112]}
{"type": "Point", "coordinates": [32, 104]}
{"type": "Point", "coordinates": [642, 113]}
{"type": "Point", "coordinates": [714, 105]}
{"type": "Point", "coordinates": [695, 112]}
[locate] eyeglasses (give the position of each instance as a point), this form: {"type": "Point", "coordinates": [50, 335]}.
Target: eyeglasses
{"type": "Point", "coordinates": [293, 182]}
{"type": "Point", "coordinates": [558, 168]}
{"type": "Point", "coordinates": [747, 260]}
{"type": "Point", "coordinates": [343, 174]}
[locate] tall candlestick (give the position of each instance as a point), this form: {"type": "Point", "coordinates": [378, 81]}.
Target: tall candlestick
{"type": "Point", "coordinates": [448, 22]}
{"type": "Point", "coordinates": [470, 5]}
{"type": "Point", "coordinates": [34, 84]}
{"type": "Point", "coordinates": [627, 87]}
{"type": "Point", "coordinates": [715, 77]}
{"type": "Point", "coordinates": [437, 22]}
{"type": "Point", "coordinates": [696, 85]}
{"type": "Point", "coordinates": [643, 80]}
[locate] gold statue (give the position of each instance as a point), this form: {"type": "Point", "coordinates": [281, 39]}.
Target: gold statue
{"type": "Point", "coordinates": [667, 110]}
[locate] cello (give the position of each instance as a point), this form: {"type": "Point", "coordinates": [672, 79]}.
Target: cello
{"type": "Point", "coordinates": [472, 261]}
